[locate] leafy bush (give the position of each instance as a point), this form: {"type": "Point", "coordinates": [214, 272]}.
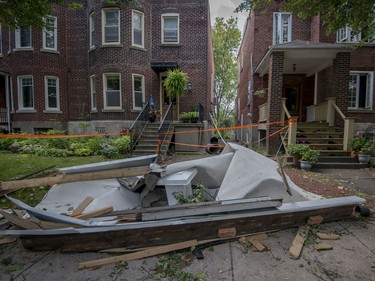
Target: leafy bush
{"type": "Point", "coordinates": [123, 144]}
{"type": "Point", "coordinates": [199, 192]}
{"type": "Point", "coordinates": [310, 156]}
{"type": "Point", "coordinates": [53, 152]}
{"type": "Point", "coordinates": [367, 148]}
{"type": "Point", "coordinates": [5, 143]}
{"type": "Point", "coordinates": [80, 149]}
{"type": "Point", "coordinates": [297, 150]}
{"type": "Point", "coordinates": [108, 150]}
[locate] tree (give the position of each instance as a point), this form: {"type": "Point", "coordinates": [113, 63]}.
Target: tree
{"type": "Point", "coordinates": [23, 13]}
{"type": "Point", "coordinates": [359, 15]}
{"type": "Point", "coordinates": [226, 38]}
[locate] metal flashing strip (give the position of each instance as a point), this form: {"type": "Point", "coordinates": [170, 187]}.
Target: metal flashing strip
{"type": "Point", "coordinates": [287, 208]}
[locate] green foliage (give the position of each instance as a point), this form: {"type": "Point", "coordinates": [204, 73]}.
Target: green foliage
{"type": "Point", "coordinates": [118, 269]}
{"type": "Point", "coordinates": [367, 148]}
{"type": "Point", "coordinates": [226, 38]}
{"type": "Point", "coordinates": [176, 82]}
{"type": "Point", "coordinates": [123, 144]}
{"type": "Point", "coordinates": [52, 152]}
{"type": "Point", "coordinates": [81, 149]}
{"type": "Point", "coordinates": [198, 195]}
{"type": "Point", "coordinates": [108, 150]}
{"type": "Point", "coordinates": [184, 116]}
{"type": "Point", "coordinates": [358, 14]}
{"type": "Point", "coordinates": [5, 143]}
{"type": "Point", "coordinates": [192, 116]}
{"type": "Point", "coordinates": [310, 156]}
{"type": "Point", "coordinates": [297, 150]}
{"type": "Point", "coordinates": [356, 143]}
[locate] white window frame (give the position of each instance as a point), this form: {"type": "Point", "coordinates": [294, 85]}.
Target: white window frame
{"type": "Point", "coordinates": [278, 28]}
{"type": "Point", "coordinates": [92, 30]}
{"type": "Point", "coordinates": [170, 15]}
{"type": "Point", "coordinates": [46, 86]}
{"type": "Point", "coordinates": [54, 48]}
{"type": "Point", "coordinates": [104, 11]}
{"type": "Point", "coordinates": [369, 89]}
{"type": "Point", "coordinates": [20, 92]}
{"type": "Point", "coordinates": [105, 75]}
{"type": "Point", "coordinates": [18, 39]}
{"type": "Point", "coordinates": [93, 92]}
{"type": "Point", "coordinates": [142, 16]}
{"type": "Point", "coordinates": [345, 35]}
{"type": "Point", "coordinates": [134, 92]}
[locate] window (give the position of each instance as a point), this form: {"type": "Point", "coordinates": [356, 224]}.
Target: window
{"type": "Point", "coordinates": [138, 26]}
{"type": "Point", "coordinates": [138, 91]}
{"type": "Point", "coordinates": [282, 28]}
{"type": "Point", "coordinates": [23, 37]}
{"type": "Point", "coordinates": [112, 91]}
{"type": "Point", "coordinates": [111, 26]}
{"type": "Point", "coordinates": [93, 92]}
{"type": "Point", "coordinates": [25, 93]}
{"type": "Point", "coordinates": [346, 35]}
{"type": "Point", "coordinates": [52, 94]}
{"type": "Point", "coordinates": [92, 30]}
{"type": "Point", "coordinates": [170, 29]}
{"type": "Point", "coordinates": [360, 90]}
{"type": "Point", "coordinates": [50, 34]}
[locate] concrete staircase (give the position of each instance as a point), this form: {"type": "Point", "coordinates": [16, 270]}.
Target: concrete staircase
{"type": "Point", "coordinates": [329, 142]}
{"type": "Point", "coordinates": [148, 142]}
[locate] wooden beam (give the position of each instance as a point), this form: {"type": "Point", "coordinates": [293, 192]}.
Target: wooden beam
{"type": "Point", "coordinates": [95, 213]}
{"type": "Point", "coordinates": [16, 220]}
{"type": "Point", "coordinates": [7, 240]}
{"type": "Point", "coordinates": [77, 211]}
{"type": "Point", "coordinates": [257, 244]}
{"type": "Point", "coordinates": [14, 185]}
{"type": "Point", "coordinates": [139, 255]}
{"type": "Point", "coordinates": [297, 245]}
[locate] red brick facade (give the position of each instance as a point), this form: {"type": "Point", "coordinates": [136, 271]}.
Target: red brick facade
{"type": "Point", "coordinates": [313, 64]}
{"type": "Point", "coordinates": [74, 62]}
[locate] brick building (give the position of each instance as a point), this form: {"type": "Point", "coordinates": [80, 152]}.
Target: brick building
{"type": "Point", "coordinates": [284, 59]}
{"type": "Point", "coordinates": [97, 66]}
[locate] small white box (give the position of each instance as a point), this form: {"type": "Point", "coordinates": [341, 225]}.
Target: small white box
{"type": "Point", "coordinates": [178, 182]}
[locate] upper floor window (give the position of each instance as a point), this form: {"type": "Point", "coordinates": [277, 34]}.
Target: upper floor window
{"type": "Point", "coordinates": [361, 90]}
{"type": "Point", "coordinates": [23, 37]}
{"type": "Point", "coordinates": [138, 91]}
{"type": "Point", "coordinates": [50, 34]}
{"type": "Point", "coordinates": [346, 35]}
{"type": "Point", "coordinates": [93, 92]}
{"type": "Point", "coordinates": [282, 28]}
{"type": "Point", "coordinates": [170, 28]}
{"type": "Point", "coordinates": [92, 30]}
{"type": "Point", "coordinates": [112, 90]}
{"type": "Point", "coordinates": [25, 92]}
{"type": "Point", "coordinates": [138, 27]}
{"type": "Point", "coordinates": [52, 94]}
{"type": "Point", "coordinates": [111, 26]}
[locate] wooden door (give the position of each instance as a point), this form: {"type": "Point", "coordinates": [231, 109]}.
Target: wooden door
{"type": "Point", "coordinates": [166, 100]}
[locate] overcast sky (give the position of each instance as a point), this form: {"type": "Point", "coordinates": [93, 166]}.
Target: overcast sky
{"type": "Point", "coordinates": [225, 8]}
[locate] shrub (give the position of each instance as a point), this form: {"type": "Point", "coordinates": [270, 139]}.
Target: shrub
{"type": "Point", "coordinates": [297, 150]}
{"type": "Point", "coordinates": [80, 149]}
{"type": "Point", "coordinates": [123, 144]}
{"type": "Point", "coordinates": [5, 143]}
{"type": "Point", "coordinates": [310, 156]}
{"type": "Point", "coordinates": [367, 148]}
{"type": "Point", "coordinates": [356, 143]}
{"type": "Point", "coordinates": [53, 152]}
{"type": "Point", "coordinates": [108, 150]}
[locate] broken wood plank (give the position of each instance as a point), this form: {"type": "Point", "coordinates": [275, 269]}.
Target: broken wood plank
{"type": "Point", "coordinates": [53, 225]}
{"type": "Point", "coordinates": [322, 247]}
{"type": "Point", "coordinates": [313, 220]}
{"type": "Point", "coordinates": [227, 232]}
{"type": "Point", "coordinates": [297, 245]}
{"type": "Point", "coordinates": [129, 217]}
{"type": "Point", "coordinates": [14, 185]}
{"type": "Point", "coordinates": [258, 237]}
{"type": "Point", "coordinates": [77, 211]}
{"type": "Point", "coordinates": [7, 240]}
{"type": "Point", "coordinates": [16, 220]}
{"type": "Point", "coordinates": [95, 213]}
{"type": "Point", "coordinates": [327, 236]}
{"type": "Point", "coordinates": [257, 244]}
{"type": "Point", "coordinates": [139, 255]}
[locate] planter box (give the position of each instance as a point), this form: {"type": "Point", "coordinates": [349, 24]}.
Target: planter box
{"type": "Point", "coordinates": [193, 138]}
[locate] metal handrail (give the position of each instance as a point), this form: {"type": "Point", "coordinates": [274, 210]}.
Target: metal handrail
{"type": "Point", "coordinates": [165, 124]}
{"type": "Point", "coordinates": [139, 124]}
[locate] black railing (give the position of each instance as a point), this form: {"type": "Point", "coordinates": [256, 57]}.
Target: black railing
{"type": "Point", "coordinates": [165, 124]}
{"type": "Point", "coordinates": [139, 125]}
{"type": "Point", "coordinates": [201, 112]}
{"type": "Point", "coordinates": [3, 115]}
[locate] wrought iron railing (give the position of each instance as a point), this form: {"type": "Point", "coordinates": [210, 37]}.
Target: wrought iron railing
{"type": "Point", "coordinates": [3, 115]}
{"type": "Point", "coordinates": [165, 125]}
{"type": "Point", "coordinates": [139, 125]}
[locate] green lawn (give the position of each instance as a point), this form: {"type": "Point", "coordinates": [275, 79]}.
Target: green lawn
{"type": "Point", "coordinates": [13, 166]}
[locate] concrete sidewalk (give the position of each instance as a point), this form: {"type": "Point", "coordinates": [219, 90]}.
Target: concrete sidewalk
{"type": "Point", "coordinates": [352, 258]}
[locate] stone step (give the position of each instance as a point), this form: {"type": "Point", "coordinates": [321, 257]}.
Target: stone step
{"type": "Point", "coordinates": [337, 159]}
{"type": "Point", "coordinates": [337, 165]}
{"type": "Point", "coordinates": [334, 153]}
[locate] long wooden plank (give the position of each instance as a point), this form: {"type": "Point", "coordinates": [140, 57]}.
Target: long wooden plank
{"type": "Point", "coordinates": [139, 255]}
{"type": "Point", "coordinates": [14, 185]}
{"type": "Point", "coordinates": [77, 211]}
{"type": "Point", "coordinates": [16, 220]}
{"type": "Point", "coordinates": [95, 213]}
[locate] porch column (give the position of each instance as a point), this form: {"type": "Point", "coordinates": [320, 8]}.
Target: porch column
{"type": "Point", "coordinates": [275, 90]}
{"type": "Point", "coordinates": [341, 70]}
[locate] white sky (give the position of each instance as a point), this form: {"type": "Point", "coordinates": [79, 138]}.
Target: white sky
{"type": "Point", "coordinates": [225, 8]}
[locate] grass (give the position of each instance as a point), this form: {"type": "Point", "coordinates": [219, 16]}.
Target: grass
{"type": "Point", "coordinates": [16, 165]}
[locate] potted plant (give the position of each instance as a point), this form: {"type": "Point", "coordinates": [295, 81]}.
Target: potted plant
{"type": "Point", "coordinates": [308, 158]}
{"type": "Point", "coordinates": [152, 116]}
{"type": "Point", "coordinates": [365, 152]}
{"type": "Point", "coordinates": [194, 116]}
{"type": "Point", "coordinates": [296, 151]}
{"type": "Point", "coordinates": [184, 117]}
{"type": "Point", "coordinates": [176, 82]}
{"type": "Point", "coordinates": [356, 144]}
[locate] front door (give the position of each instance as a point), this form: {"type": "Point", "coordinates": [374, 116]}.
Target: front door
{"type": "Point", "coordinates": [165, 100]}
{"type": "Point", "coordinates": [292, 95]}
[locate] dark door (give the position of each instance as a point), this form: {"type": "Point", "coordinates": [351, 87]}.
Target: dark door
{"type": "Point", "coordinates": [292, 95]}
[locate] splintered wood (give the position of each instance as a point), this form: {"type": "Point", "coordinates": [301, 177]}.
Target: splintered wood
{"type": "Point", "coordinates": [255, 240]}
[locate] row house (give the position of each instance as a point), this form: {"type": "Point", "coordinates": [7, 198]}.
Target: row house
{"type": "Point", "coordinates": [290, 68]}
{"type": "Point", "coordinates": [97, 66]}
